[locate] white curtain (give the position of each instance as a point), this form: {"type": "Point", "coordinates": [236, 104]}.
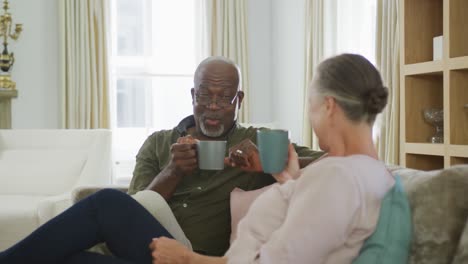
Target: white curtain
{"type": "Point", "coordinates": [224, 33]}
{"type": "Point", "coordinates": [334, 27]}
{"type": "Point", "coordinates": [350, 27]}
{"type": "Point", "coordinates": [314, 37]}
{"type": "Point", "coordinates": [387, 60]}
{"type": "Point", "coordinates": [84, 30]}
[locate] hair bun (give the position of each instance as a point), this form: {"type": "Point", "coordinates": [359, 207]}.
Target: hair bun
{"type": "Point", "coordinates": [376, 100]}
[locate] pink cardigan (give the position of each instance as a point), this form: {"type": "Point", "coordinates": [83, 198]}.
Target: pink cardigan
{"type": "Point", "coordinates": [322, 217]}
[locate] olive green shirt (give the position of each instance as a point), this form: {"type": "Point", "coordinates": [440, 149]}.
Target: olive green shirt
{"type": "Point", "coordinates": [201, 201]}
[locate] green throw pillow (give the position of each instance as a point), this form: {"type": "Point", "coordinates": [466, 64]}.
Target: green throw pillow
{"type": "Point", "coordinates": [390, 242]}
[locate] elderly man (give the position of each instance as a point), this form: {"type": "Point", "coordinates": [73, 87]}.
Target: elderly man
{"type": "Point", "coordinates": [167, 161]}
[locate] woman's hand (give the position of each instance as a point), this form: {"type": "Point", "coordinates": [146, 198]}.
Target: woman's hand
{"type": "Point", "coordinates": [168, 251]}
{"type": "Point", "coordinates": [292, 170]}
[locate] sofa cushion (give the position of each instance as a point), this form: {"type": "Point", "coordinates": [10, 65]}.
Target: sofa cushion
{"type": "Point", "coordinates": [390, 242]}
{"type": "Point", "coordinates": [18, 217]}
{"type": "Point", "coordinates": [52, 162]}
{"type": "Point", "coordinates": [240, 203]}
{"type": "Point", "coordinates": [461, 257]}
{"type": "Point", "coordinates": [40, 171]}
{"type": "Point", "coordinates": [439, 206]}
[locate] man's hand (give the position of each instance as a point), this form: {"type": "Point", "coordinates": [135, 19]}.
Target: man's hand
{"type": "Point", "coordinates": [168, 251]}
{"type": "Point", "coordinates": [245, 156]}
{"type": "Point", "coordinates": [183, 156]}
{"type": "Point", "coordinates": [187, 140]}
{"type": "Point", "coordinates": [183, 161]}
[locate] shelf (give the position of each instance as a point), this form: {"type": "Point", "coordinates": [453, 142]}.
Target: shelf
{"type": "Point", "coordinates": [458, 150]}
{"type": "Point", "coordinates": [430, 68]}
{"type": "Point", "coordinates": [458, 161]}
{"type": "Point", "coordinates": [424, 162]}
{"type": "Point", "coordinates": [458, 63]}
{"type": "Point", "coordinates": [422, 22]}
{"type": "Point", "coordinates": [425, 148]}
{"type": "Point", "coordinates": [458, 28]}
{"type": "Point", "coordinates": [421, 92]}
{"type": "Point", "coordinates": [459, 107]}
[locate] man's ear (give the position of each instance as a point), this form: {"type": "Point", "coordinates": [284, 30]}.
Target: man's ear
{"type": "Point", "coordinates": [240, 95]}
{"type": "Point", "coordinates": [192, 91]}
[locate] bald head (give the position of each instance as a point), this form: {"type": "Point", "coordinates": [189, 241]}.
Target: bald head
{"type": "Point", "coordinates": [218, 64]}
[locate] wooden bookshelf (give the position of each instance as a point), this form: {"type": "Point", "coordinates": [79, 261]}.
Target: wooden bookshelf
{"type": "Point", "coordinates": [425, 149]}
{"type": "Point", "coordinates": [458, 161]}
{"type": "Point", "coordinates": [427, 83]}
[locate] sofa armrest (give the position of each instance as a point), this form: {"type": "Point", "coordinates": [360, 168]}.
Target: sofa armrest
{"type": "Point", "coordinates": [82, 192]}
{"type": "Point", "coordinates": [52, 206]}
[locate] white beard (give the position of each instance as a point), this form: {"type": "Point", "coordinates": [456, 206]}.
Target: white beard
{"type": "Point", "coordinates": [210, 133]}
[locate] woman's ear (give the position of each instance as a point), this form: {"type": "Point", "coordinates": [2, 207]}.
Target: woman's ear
{"type": "Point", "coordinates": [330, 106]}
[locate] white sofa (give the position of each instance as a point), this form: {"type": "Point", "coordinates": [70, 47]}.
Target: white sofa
{"type": "Point", "coordinates": [38, 171]}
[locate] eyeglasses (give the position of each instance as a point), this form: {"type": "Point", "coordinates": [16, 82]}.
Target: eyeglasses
{"type": "Point", "coordinates": [223, 101]}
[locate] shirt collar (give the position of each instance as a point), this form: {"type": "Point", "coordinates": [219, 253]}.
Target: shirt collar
{"type": "Point", "coordinates": [185, 124]}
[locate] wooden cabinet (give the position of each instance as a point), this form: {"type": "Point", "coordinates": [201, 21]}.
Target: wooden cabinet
{"type": "Point", "coordinates": [427, 83]}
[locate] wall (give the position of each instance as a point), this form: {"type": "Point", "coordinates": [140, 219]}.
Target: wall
{"type": "Point", "coordinates": [260, 63]}
{"type": "Point", "coordinates": [36, 70]}
{"type": "Point", "coordinates": [288, 72]}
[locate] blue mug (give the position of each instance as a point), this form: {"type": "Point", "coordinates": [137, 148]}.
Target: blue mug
{"type": "Point", "coordinates": [273, 149]}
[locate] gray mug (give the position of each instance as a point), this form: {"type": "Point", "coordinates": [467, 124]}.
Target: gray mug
{"type": "Point", "coordinates": [211, 154]}
{"type": "Point", "coordinates": [273, 149]}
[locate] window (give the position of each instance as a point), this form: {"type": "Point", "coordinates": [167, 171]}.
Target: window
{"type": "Point", "coordinates": [153, 59]}
{"type": "Point", "coordinates": [350, 27]}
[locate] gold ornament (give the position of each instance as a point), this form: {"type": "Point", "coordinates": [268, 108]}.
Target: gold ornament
{"type": "Point", "coordinates": [7, 59]}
